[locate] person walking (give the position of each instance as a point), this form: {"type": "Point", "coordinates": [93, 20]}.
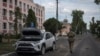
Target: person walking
{"type": "Point", "coordinates": [71, 39]}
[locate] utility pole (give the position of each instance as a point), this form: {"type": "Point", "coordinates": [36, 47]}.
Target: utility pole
{"type": "Point", "coordinates": [57, 13]}
{"type": "Point", "coordinates": [57, 9]}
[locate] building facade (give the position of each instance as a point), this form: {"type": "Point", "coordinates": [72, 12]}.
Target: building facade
{"type": "Point", "coordinates": [7, 7]}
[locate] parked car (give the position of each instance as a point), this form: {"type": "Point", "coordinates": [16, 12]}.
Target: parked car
{"type": "Point", "coordinates": [34, 40]}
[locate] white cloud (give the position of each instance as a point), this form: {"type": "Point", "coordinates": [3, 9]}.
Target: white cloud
{"type": "Point", "coordinates": [66, 7]}
{"type": "Point", "coordinates": [49, 5]}
{"type": "Point", "coordinates": [65, 10]}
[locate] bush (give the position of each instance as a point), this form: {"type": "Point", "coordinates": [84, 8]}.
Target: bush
{"type": "Point", "coordinates": [11, 36]}
{"type": "Point", "coordinates": [17, 36]}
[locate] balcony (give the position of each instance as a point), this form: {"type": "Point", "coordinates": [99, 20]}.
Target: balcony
{"type": "Point", "coordinates": [4, 31]}
{"type": "Point", "coordinates": [4, 4]}
{"type": "Point", "coordinates": [10, 6]}
{"type": "Point", "coordinates": [4, 17]}
{"type": "Point", "coordinates": [24, 10]}
{"type": "Point", "coordinates": [11, 31]}
{"type": "Point", "coordinates": [21, 9]}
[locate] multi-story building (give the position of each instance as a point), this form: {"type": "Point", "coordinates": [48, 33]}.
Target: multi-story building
{"type": "Point", "coordinates": [7, 7]}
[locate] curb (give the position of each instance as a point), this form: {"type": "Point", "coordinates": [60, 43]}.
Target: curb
{"type": "Point", "coordinates": [7, 54]}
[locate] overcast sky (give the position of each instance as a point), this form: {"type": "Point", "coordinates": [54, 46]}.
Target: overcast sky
{"type": "Point", "coordinates": [66, 6]}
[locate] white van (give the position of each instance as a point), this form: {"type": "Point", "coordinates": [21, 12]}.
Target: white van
{"type": "Point", "coordinates": [33, 40]}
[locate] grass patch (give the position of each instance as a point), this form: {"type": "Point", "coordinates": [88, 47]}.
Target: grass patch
{"type": "Point", "coordinates": [6, 48]}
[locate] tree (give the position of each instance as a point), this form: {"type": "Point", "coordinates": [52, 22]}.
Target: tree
{"type": "Point", "coordinates": [18, 16]}
{"type": "Point", "coordinates": [31, 18]}
{"type": "Point", "coordinates": [51, 25]}
{"type": "Point", "coordinates": [98, 24]}
{"type": "Point", "coordinates": [93, 26]}
{"type": "Point", "coordinates": [97, 2]}
{"type": "Point", "coordinates": [77, 21]}
{"type": "Point", "coordinates": [98, 28]}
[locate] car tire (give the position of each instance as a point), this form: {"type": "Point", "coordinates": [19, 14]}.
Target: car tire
{"type": "Point", "coordinates": [43, 49]}
{"type": "Point", "coordinates": [53, 47]}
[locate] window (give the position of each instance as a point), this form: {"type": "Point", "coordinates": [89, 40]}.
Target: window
{"type": "Point", "coordinates": [24, 5]}
{"type": "Point", "coordinates": [4, 12]}
{"type": "Point", "coordinates": [10, 1]}
{"type": "Point", "coordinates": [4, 0]}
{"type": "Point", "coordinates": [10, 13]}
{"type": "Point", "coordinates": [4, 25]}
{"type": "Point", "coordinates": [15, 2]}
{"type": "Point", "coordinates": [20, 4]}
{"type": "Point", "coordinates": [34, 9]}
{"type": "Point", "coordinates": [31, 7]}
{"type": "Point", "coordinates": [41, 20]}
{"type": "Point", "coordinates": [24, 17]}
{"type": "Point", "coordinates": [47, 36]}
{"type": "Point", "coordinates": [28, 7]}
{"type": "Point", "coordinates": [41, 13]}
{"type": "Point", "coordinates": [10, 25]}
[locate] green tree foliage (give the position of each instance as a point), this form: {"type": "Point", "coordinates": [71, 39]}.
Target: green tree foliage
{"type": "Point", "coordinates": [31, 18]}
{"type": "Point", "coordinates": [97, 2]}
{"type": "Point", "coordinates": [93, 26]}
{"type": "Point", "coordinates": [98, 28]}
{"type": "Point", "coordinates": [78, 24]}
{"type": "Point", "coordinates": [51, 25]}
{"type": "Point", "coordinates": [18, 16]}
{"type": "Point", "coordinates": [98, 24]}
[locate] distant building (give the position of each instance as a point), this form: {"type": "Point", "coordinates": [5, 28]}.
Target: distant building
{"type": "Point", "coordinates": [65, 28]}
{"type": "Point", "coordinates": [7, 8]}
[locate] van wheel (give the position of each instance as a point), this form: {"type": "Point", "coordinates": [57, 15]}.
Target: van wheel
{"type": "Point", "coordinates": [42, 50]}
{"type": "Point", "coordinates": [53, 47]}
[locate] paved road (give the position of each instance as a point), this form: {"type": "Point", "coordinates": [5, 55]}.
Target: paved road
{"type": "Point", "coordinates": [86, 47]}
{"type": "Point", "coordinates": [61, 50]}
